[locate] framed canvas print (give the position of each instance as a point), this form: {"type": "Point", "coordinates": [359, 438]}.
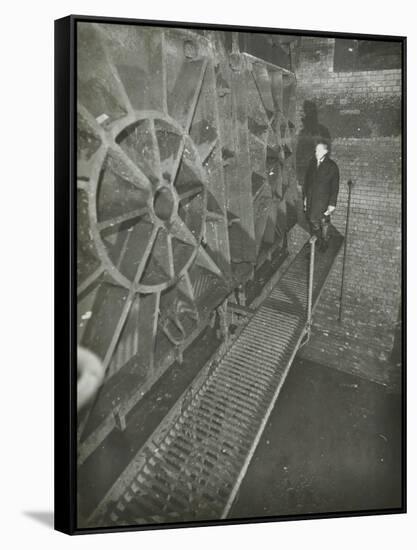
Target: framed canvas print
{"type": "Point", "coordinates": [229, 274]}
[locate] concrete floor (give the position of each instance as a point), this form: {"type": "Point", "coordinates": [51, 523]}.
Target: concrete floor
{"type": "Point", "coordinates": [333, 443]}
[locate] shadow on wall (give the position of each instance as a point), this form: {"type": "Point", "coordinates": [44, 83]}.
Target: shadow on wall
{"type": "Point", "coordinates": [311, 132]}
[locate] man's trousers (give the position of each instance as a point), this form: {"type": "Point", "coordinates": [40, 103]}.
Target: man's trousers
{"type": "Point", "coordinates": [320, 228]}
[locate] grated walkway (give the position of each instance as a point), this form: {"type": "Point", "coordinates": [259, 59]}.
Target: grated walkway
{"type": "Point", "coordinates": [192, 466]}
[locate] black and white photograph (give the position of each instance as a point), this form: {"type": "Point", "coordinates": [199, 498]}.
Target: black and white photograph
{"type": "Point", "coordinates": [238, 231]}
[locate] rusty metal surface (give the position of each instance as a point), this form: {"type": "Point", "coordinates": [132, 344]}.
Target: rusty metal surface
{"type": "Point", "coordinates": [192, 466]}
{"type": "Point", "coordinates": [150, 180]}
{"type": "Point", "coordinates": [184, 157]}
{"type": "Point", "coordinates": [257, 107]}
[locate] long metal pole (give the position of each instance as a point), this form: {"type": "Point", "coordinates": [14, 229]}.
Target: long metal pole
{"type": "Point", "coordinates": [342, 285]}
{"type": "Point", "coordinates": [311, 281]}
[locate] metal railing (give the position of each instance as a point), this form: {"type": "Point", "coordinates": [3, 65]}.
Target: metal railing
{"type": "Point", "coordinates": [311, 281]}
{"type": "Point", "coordinates": [307, 329]}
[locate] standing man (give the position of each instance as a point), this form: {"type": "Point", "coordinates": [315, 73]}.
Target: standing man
{"type": "Point", "coordinates": [321, 187]}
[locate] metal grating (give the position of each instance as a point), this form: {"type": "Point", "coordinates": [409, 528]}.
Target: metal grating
{"type": "Point", "coordinates": [192, 468]}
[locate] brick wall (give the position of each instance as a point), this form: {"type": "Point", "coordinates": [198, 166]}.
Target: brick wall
{"type": "Point", "coordinates": [362, 113]}
{"type": "Point", "coordinates": [351, 104]}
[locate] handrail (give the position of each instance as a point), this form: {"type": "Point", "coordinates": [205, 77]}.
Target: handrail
{"type": "Point", "coordinates": [307, 328]}
{"type": "Point", "coordinates": [310, 282]}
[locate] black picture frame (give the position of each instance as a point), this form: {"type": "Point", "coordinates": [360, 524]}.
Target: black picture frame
{"type": "Point", "coordinates": [65, 270]}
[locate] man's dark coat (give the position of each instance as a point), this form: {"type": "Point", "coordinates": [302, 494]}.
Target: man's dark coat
{"type": "Point", "coordinates": [321, 187]}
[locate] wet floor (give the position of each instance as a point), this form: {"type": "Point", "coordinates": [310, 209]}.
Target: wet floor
{"type": "Point", "coordinates": [332, 443]}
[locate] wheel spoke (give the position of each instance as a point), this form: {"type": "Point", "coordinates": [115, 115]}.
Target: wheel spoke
{"type": "Point", "coordinates": [164, 75]}
{"type": "Point", "coordinates": [116, 335]}
{"type": "Point", "coordinates": [113, 70]}
{"type": "Point", "coordinates": [129, 300]}
{"type": "Point", "coordinates": [191, 193]}
{"type": "Point", "coordinates": [187, 285]}
{"type": "Point", "coordinates": [145, 257]}
{"type": "Point", "coordinates": [183, 98]}
{"type": "Point", "coordinates": [99, 158]}
{"type": "Point", "coordinates": [89, 280]}
{"type": "Point", "coordinates": [155, 147]}
{"type": "Point", "coordinates": [206, 150]}
{"type": "Point", "coordinates": [154, 330]}
{"type": "Point", "coordinates": [203, 259]}
{"type": "Point", "coordinates": [181, 232]}
{"type": "Point", "coordinates": [194, 102]}
{"type": "Point", "coordinates": [90, 119]}
{"type": "Point", "coordinates": [141, 181]}
{"type": "Point", "coordinates": [170, 255]}
{"type": "Point", "coordinates": [123, 218]}
{"type": "Point", "coordinates": [122, 253]}
{"type": "Point", "coordinates": [177, 161]}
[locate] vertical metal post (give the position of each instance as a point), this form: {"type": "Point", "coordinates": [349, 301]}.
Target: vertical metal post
{"type": "Point", "coordinates": [342, 284]}
{"type": "Point", "coordinates": [224, 325]}
{"type": "Point", "coordinates": [311, 280]}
